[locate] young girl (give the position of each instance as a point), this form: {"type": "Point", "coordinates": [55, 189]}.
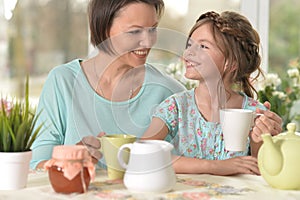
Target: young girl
{"type": "Point", "coordinates": [222, 52]}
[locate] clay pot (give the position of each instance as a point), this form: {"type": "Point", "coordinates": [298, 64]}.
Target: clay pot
{"type": "Point", "coordinates": [71, 169]}
{"type": "Point", "coordinates": [61, 184]}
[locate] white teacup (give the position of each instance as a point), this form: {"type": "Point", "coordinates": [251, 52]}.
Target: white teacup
{"type": "Point", "coordinates": [236, 125]}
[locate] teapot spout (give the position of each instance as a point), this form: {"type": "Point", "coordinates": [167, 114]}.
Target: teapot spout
{"type": "Point", "coordinates": [272, 156]}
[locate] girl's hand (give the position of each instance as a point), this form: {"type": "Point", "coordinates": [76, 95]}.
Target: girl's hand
{"type": "Point", "coordinates": [93, 144]}
{"type": "Point", "coordinates": [237, 165]}
{"type": "Point", "coordinates": [269, 122]}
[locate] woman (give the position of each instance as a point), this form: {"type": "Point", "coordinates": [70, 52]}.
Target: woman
{"type": "Point", "coordinates": [221, 53]}
{"type": "Point", "coordinates": [113, 92]}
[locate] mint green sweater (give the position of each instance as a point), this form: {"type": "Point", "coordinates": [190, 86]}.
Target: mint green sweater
{"type": "Point", "coordinates": [71, 109]}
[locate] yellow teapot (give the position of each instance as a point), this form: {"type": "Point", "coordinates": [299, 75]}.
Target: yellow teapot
{"type": "Point", "coordinates": [279, 159]}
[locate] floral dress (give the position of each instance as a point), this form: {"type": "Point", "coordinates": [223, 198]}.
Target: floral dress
{"type": "Point", "coordinates": [190, 133]}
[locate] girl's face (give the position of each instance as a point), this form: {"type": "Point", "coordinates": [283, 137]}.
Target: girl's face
{"type": "Point", "coordinates": [203, 59]}
{"type": "Point", "coordinates": [133, 33]}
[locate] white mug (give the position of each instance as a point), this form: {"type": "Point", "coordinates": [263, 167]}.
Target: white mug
{"type": "Point", "coordinates": [236, 125]}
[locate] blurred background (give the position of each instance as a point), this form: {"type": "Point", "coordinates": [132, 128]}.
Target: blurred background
{"type": "Point", "coordinates": [37, 35]}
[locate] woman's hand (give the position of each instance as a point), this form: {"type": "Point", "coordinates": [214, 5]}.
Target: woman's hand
{"type": "Point", "coordinates": [93, 144]}
{"type": "Point", "coordinates": [237, 165]}
{"type": "Point", "coordinates": [269, 122]}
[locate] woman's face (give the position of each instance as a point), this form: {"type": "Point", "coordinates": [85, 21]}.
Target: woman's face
{"type": "Point", "coordinates": [203, 59]}
{"type": "Point", "coordinates": [133, 33]}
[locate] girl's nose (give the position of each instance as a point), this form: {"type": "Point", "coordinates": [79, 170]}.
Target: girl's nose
{"type": "Point", "coordinates": [189, 52]}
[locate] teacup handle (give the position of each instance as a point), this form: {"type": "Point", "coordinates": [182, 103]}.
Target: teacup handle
{"type": "Point", "coordinates": [120, 154]}
{"type": "Point", "coordinates": [255, 115]}
{"type": "Point", "coordinates": [101, 142]}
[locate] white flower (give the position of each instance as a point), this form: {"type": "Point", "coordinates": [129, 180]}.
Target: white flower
{"type": "Point", "coordinates": [178, 75]}
{"type": "Point", "coordinates": [271, 80]}
{"type": "Point", "coordinates": [293, 73]}
{"type": "Point", "coordinates": [170, 68]}
{"type": "Point", "coordinates": [280, 95]}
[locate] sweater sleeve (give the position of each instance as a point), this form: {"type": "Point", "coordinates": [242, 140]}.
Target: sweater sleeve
{"type": "Point", "coordinates": [52, 109]}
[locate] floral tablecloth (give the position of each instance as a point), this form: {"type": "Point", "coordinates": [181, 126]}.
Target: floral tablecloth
{"type": "Point", "coordinates": [188, 187]}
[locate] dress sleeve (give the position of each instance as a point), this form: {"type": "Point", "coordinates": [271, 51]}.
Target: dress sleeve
{"type": "Point", "coordinates": [252, 104]}
{"type": "Point", "coordinates": [168, 112]}
{"type": "Point", "coordinates": [52, 115]}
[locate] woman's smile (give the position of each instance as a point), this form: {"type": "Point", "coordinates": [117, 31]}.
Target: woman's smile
{"type": "Point", "coordinates": [141, 53]}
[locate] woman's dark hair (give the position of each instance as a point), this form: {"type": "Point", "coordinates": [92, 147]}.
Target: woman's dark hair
{"type": "Point", "coordinates": [238, 42]}
{"type": "Point", "coordinates": [101, 14]}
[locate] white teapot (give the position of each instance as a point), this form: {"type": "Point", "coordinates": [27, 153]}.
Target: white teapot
{"type": "Point", "coordinates": [149, 168]}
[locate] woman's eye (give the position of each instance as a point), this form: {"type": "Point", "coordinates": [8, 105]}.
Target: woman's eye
{"type": "Point", "coordinates": [136, 31]}
{"type": "Point", "coordinates": [153, 30]}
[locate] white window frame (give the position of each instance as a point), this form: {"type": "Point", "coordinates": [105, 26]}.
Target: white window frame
{"type": "Point", "coordinates": [257, 11]}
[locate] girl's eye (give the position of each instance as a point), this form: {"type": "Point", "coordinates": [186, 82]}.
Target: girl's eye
{"type": "Point", "coordinates": [188, 44]}
{"type": "Point", "coordinates": [202, 46]}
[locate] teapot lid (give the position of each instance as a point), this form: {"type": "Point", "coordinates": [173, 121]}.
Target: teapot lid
{"type": "Point", "coordinates": [290, 133]}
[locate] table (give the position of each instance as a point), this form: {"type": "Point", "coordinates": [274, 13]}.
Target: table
{"type": "Point", "coordinates": [188, 186]}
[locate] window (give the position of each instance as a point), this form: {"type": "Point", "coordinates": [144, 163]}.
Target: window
{"type": "Point", "coordinates": [284, 42]}
{"type": "Point", "coordinates": [37, 35]}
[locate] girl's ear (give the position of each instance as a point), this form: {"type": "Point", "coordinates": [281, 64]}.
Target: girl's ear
{"type": "Point", "coordinates": [230, 67]}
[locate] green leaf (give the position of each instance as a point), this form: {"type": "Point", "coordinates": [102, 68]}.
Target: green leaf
{"type": "Point", "coordinates": [20, 136]}
{"type": "Point", "coordinates": [34, 136]}
{"type": "Point", "coordinates": [27, 97]}
{"type": "Point", "coordinates": [17, 127]}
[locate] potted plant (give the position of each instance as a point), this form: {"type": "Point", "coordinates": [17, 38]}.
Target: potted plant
{"type": "Point", "coordinates": [17, 133]}
{"type": "Point", "coordinates": [283, 93]}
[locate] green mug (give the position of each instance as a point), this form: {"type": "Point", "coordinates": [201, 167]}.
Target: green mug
{"type": "Point", "coordinates": [110, 145]}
